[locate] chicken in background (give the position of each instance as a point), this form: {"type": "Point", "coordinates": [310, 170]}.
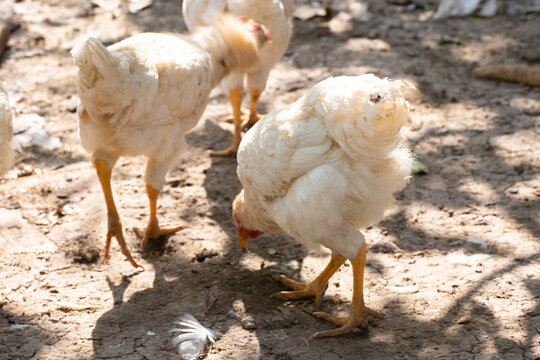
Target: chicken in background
{"type": "Point", "coordinates": [141, 95]}
{"type": "Point", "coordinates": [276, 16]}
{"type": "Point", "coordinates": [7, 156]}
{"type": "Point", "coordinates": [321, 168]}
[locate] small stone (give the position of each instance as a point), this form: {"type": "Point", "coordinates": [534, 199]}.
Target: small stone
{"type": "Point", "coordinates": [248, 322]}
{"type": "Point", "coordinates": [271, 251]}
{"type": "Point", "coordinates": [88, 256]}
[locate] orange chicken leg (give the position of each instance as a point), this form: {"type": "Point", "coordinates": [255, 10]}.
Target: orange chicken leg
{"type": "Point", "coordinates": [315, 288]}
{"type": "Point", "coordinates": [254, 116]}
{"type": "Point", "coordinates": [359, 311]}
{"type": "Point", "coordinates": [114, 225]}
{"type": "Point", "coordinates": [236, 102]}
{"type": "Point", "coordinates": [153, 231]}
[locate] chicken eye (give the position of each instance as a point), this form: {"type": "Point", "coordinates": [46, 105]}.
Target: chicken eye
{"type": "Point", "coordinates": [375, 98]}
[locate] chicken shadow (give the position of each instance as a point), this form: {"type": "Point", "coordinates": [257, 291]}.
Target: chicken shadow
{"type": "Point", "coordinates": [20, 336]}
{"type": "Point", "coordinates": [277, 333]}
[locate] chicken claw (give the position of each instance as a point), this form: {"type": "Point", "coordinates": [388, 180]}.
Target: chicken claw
{"type": "Point", "coordinates": [230, 151]}
{"type": "Point", "coordinates": [156, 232]}
{"type": "Point", "coordinates": [359, 311]}
{"type": "Point", "coordinates": [301, 290]}
{"type": "Point", "coordinates": [153, 231]}
{"type": "Point", "coordinates": [254, 116]}
{"type": "Point", "coordinates": [348, 324]}
{"type": "Point", "coordinates": [114, 226]}
{"type": "Point", "coordinates": [229, 119]}
{"type": "Point", "coordinates": [315, 288]}
{"type": "Point", "coordinates": [114, 229]}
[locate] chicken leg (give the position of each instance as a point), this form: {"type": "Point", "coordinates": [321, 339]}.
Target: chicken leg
{"type": "Point", "coordinates": [153, 231]}
{"type": "Point", "coordinates": [254, 116]}
{"type": "Point", "coordinates": [359, 311]}
{"type": "Point", "coordinates": [235, 97]}
{"type": "Point", "coordinates": [315, 288]}
{"type": "Point", "coordinates": [114, 225]}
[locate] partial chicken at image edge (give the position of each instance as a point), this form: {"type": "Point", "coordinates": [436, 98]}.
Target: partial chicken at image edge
{"type": "Point", "coordinates": [7, 155]}
{"type": "Point", "coordinates": [319, 170]}
{"type": "Point", "coordinates": [276, 16]}
{"type": "Point", "coordinates": [141, 95]}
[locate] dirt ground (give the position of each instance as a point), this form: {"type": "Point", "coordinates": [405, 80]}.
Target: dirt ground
{"type": "Point", "coordinates": [465, 235]}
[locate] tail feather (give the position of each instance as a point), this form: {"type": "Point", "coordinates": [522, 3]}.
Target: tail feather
{"type": "Point", "coordinates": [102, 82]}
{"type": "Point", "coordinates": [94, 61]}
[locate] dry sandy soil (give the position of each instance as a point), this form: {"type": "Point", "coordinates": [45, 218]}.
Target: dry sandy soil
{"type": "Point", "coordinates": [479, 139]}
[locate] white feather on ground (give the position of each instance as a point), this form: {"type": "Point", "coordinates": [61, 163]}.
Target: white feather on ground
{"type": "Point", "coordinates": [194, 337]}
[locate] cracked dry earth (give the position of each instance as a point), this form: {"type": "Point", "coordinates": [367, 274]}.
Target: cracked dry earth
{"type": "Point", "coordinates": [465, 235]}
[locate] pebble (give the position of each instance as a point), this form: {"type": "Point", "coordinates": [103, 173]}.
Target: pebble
{"type": "Point", "coordinates": [248, 322]}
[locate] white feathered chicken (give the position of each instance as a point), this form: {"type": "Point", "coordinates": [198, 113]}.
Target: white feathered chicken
{"type": "Point", "coordinates": [320, 169]}
{"type": "Point", "coordinates": [141, 95]}
{"type": "Point", "coordinates": [7, 156]}
{"type": "Point", "coordinates": [276, 16]}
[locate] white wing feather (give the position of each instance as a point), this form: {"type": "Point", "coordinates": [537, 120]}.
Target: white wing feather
{"type": "Point", "coordinates": [194, 337]}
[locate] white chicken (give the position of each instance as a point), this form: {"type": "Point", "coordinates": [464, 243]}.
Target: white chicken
{"type": "Point", "coordinates": [141, 95]}
{"type": "Point", "coordinates": [276, 16]}
{"type": "Point", "coordinates": [320, 169]}
{"type": "Point", "coordinates": [7, 156]}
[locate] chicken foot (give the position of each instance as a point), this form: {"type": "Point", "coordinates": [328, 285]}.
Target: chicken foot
{"type": "Point", "coordinates": [315, 288]}
{"type": "Point", "coordinates": [153, 231]}
{"type": "Point", "coordinates": [359, 311]}
{"type": "Point", "coordinates": [114, 225]}
{"type": "Point", "coordinates": [235, 97]}
{"type": "Point", "coordinates": [253, 116]}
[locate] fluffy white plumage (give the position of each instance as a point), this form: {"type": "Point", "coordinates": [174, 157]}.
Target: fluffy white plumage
{"type": "Point", "coordinates": [7, 156]}
{"type": "Point", "coordinates": [141, 95]}
{"type": "Point", "coordinates": [194, 337]}
{"type": "Point", "coordinates": [327, 164]}
{"type": "Point", "coordinates": [275, 15]}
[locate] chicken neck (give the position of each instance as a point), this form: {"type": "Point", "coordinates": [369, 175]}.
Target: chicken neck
{"type": "Point", "coordinates": [231, 46]}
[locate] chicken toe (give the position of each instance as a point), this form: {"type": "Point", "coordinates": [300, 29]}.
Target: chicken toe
{"type": "Point", "coordinates": [114, 226]}
{"type": "Point", "coordinates": [316, 288]}
{"type": "Point", "coordinates": [359, 311]}
{"type": "Point", "coordinates": [153, 230]}
{"type": "Point", "coordinates": [347, 324]}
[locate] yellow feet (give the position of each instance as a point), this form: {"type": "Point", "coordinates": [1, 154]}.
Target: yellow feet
{"type": "Point", "coordinates": [254, 116]}
{"type": "Point", "coordinates": [316, 287]}
{"type": "Point", "coordinates": [247, 120]}
{"type": "Point", "coordinates": [155, 232]}
{"type": "Point", "coordinates": [230, 118]}
{"type": "Point", "coordinates": [313, 289]}
{"type": "Point", "coordinates": [114, 226]}
{"type": "Point", "coordinates": [347, 324]}
{"type": "Point", "coordinates": [252, 120]}
{"type": "Point", "coordinates": [359, 311]}
{"type": "Point", "coordinates": [115, 230]}
{"type": "Point", "coordinates": [235, 97]}
{"type": "Point", "coordinates": [230, 151]}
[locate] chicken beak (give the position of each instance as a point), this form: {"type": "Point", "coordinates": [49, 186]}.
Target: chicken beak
{"type": "Point", "coordinates": [243, 238]}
